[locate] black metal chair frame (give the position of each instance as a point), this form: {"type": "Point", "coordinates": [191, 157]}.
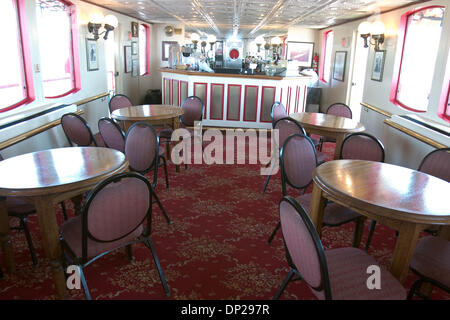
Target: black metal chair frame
{"type": "Point", "coordinates": [373, 223]}
{"type": "Point", "coordinates": [325, 285]}
{"type": "Point", "coordinates": [154, 165]}
{"type": "Point", "coordinates": [85, 123]}
{"type": "Point", "coordinates": [116, 95]}
{"type": "Point", "coordinates": [84, 260]}
{"type": "Point", "coordinates": [274, 125]}
{"type": "Point", "coordinates": [415, 288]}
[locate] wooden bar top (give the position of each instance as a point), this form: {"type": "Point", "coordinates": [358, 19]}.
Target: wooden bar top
{"type": "Point", "coordinates": [230, 75]}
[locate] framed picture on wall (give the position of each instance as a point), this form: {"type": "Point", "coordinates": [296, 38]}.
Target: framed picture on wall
{"type": "Point", "coordinates": [92, 55]}
{"type": "Point", "coordinates": [127, 59]}
{"type": "Point", "coordinates": [300, 51]}
{"type": "Point", "coordinates": [165, 49]}
{"type": "Point", "coordinates": [134, 29]}
{"type": "Point", "coordinates": [339, 65]}
{"type": "Point", "coordinates": [378, 65]}
{"type": "Point", "coordinates": [134, 48]}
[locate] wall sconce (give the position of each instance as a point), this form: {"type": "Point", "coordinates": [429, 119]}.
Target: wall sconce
{"type": "Point", "coordinates": [259, 41]}
{"type": "Point", "coordinates": [110, 22]}
{"type": "Point", "coordinates": [211, 39]}
{"type": "Point", "coordinates": [373, 30]}
{"type": "Point", "coordinates": [195, 38]}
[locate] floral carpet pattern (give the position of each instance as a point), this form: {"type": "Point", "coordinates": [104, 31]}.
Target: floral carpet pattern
{"type": "Point", "coordinates": [215, 247]}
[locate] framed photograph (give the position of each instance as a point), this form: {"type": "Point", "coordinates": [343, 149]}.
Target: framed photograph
{"type": "Point", "coordinates": [300, 51]}
{"type": "Point", "coordinates": [134, 29]}
{"type": "Point", "coordinates": [378, 65]}
{"type": "Point", "coordinates": [134, 48]}
{"type": "Point", "coordinates": [92, 55]}
{"type": "Point", "coordinates": [339, 65]}
{"type": "Point", "coordinates": [127, 59]}
{"type": "Point", "coordinates": [165, 49]}
{"type": "Point", "coordinates": [135, 68]}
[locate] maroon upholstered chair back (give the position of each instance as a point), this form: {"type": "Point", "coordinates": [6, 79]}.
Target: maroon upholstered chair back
{"type": "Point", "coordinates": [141, 147]}
{"type": "Point", "coordinates": [278, 112]}
{"type": "Point", "coordinates": [304, 245]}
{"type": "Point", "coordinates": [77, 130]}
{"type": "Point", "coordinates": [193, 110]}
{"type": "Point", "coordinates": [437, 163]}
{"type": "Point", "coordinates": [286, 128]}
{"type": "Point", "coordinates": [362, 146]}
{"type": "Point", "coordinates": [119, 101]}
{"type": "Point", "coordinates": [298, 161]}
{"type": "Point", "coordinates": [117, 206]}
{"type": "Point", "coordinates": [340, 110]}
{"type": "Point", "coordinates": [112, 134]}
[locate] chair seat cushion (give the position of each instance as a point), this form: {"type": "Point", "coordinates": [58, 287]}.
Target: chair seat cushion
{"type": "Point", "coordinates": [71, 233]}
{"type": "Point", "coordinates": [334, 214]}
{"type": "Point", "coordinates": [432, 259]}
{"type": "Point", "coordinates": [347, 271]}
{"type": "Point", "coordinates": [17, 206]}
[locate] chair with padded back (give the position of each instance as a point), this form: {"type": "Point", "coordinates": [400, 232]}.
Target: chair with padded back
{"type": "Point", "coordinates": [119, 101]}
{"type": "Point", "coordinates": [193, 108]}
{"type": "Point", "coordinates": [363, 146]}
{"type": "Point", "coordinates": [144, 154]}
{"type": "Point", "coordinates": [286, 127]}
{"type": "Point", "coordinates": [340, 110]}
{"type": "Point", "coordinates": [78, 132]}
{"type": "Point", "coordinates": [278, 111]}
{"type": "Point", "coordinates": [113, 217]}
{"type": "Point", "coordinates": [336, 274]}
{"type": "Point", "coordinates": [112, 134]}
{"type": "Point", "coordinates": [298, 160]}
{"type": "Point", "coordinates": [431, 262]}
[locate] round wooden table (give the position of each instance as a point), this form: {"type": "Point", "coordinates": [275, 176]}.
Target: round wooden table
{"type": "Point", "coordinates": [406, 200]}
{"type": "Point", "coordinates": [45, 178]}
{"type": "Point", "coordinates": [159, 114]}
{"type": "Point", "coordinates": [329, 126]}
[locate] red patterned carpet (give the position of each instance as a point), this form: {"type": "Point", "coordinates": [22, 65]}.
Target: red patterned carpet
{"type": "Point", "coordinates": [215, 247]}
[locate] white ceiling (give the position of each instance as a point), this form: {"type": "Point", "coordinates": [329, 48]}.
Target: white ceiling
{"type": "Point", "coordinates": [249, 18]}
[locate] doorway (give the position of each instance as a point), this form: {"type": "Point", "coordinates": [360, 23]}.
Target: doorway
{"type": "Point", "coordinates": [358, 75]}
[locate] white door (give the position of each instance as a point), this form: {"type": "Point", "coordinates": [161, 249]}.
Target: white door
{"type": "Point", "coordinates": [358, 76]}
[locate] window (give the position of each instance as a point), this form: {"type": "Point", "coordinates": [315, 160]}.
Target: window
{"type": "Point", "coordinates": [144, 49]}
{"type": "Point", "coordinates": [58, 43]}
{"type": "Point", "coordinates": [327, 48]}
{"type": "Point", "coordinates": [444, 105]}
{"type": "Point", "coordinates": [16, 83]}
{"type": "Point", "coordinates": [419, 44]}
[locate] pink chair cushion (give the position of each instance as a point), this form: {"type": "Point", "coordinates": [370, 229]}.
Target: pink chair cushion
{"type": "Point", "coordinates": [360, 147]}
{"type": "Point", "coordinates": [193, 108]}
{"type": "Point", "coordinates": [140, 147]}
{"type": "Point", "coordinates": [300, 245]}
{"type": "Point", "coordinates": [340, 110]}
{"type": "Point", "coordinates": [299, 161]}
{"type": "Point", "coordinates": [112, 136]}
{"type": "Point", "coordinates": [334, 213]}
{"type": "Point", "coordinates": [437, 164]}
{"type": "Point", "coordinates": [71, 233]}
{"type": "Point", "coordinates": [287, 128]}
{"type": "Point", "coordinates": [19, 206]}
{"type": "Point", "coordinates": [432, 259]}
{"type": "Point", "coordinates": [118, 102]}
{"type": "Point", "coordinates": [76, 130]}
{"type": "Point", "coordinates": [278, 112]}
{"type": "Point", "coordinates": [347, 271]}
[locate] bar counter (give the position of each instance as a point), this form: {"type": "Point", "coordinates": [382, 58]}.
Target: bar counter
{"type": "Point", "coordinates": [235, 100]}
